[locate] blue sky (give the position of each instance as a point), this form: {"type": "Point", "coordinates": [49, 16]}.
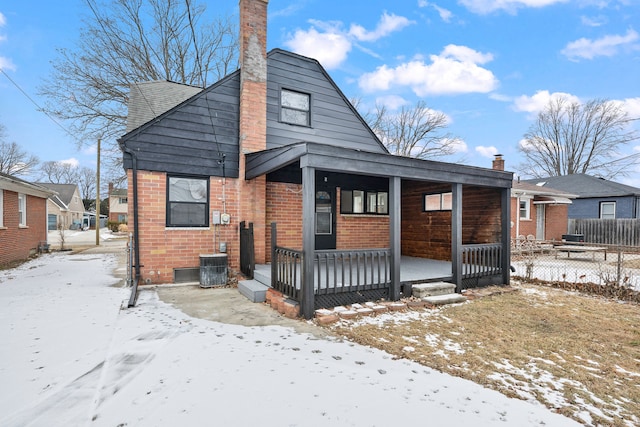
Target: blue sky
{"type": "Point", "coordinates": [490, 66]}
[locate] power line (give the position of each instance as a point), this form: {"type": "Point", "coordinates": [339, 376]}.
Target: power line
{"type": "Point", "coordinates": [38, 108]}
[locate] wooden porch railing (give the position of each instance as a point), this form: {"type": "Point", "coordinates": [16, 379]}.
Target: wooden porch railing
{"type": "Point", "coordinates": [352, 270]}
{"type": "Point", "coordinates": [286, 272]}
{"type": "Point", "coordinates": [481, 260]}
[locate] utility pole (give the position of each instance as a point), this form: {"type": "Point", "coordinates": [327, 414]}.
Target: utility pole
{"type": "Point", "coordinates": [98, 197]}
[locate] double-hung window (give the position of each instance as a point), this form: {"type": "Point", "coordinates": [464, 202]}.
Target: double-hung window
{"type": "Point", "coordinates": [22, 210]}
{"type": "Point", "coordinates": [295, 108]}
{"type": "Point", "coordinates": [607, 210]}
{"type": "Point", "coordinates": [525, 208]}
{"type": "Point", "coordinates": [187, 201]}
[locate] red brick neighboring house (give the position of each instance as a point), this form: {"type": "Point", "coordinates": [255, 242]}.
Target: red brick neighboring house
{"type": "Point", "coordinates": [23, 218]}
{"type": "Point", "coordinates": [537, 211]}
{"type": "Point", "coordinates": [278, 142]}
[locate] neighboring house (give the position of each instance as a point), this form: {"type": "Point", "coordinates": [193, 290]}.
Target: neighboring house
{"type": "Point", "coordinates": [278, 142]}
{"type": "Point", "coordinates": [66, 209]}
{"type": "Point", "coordinates": [537, 211]}
{"type": "Point", "coordinates": [23, 218]}
{"type": "Point", "coordinates": [596, 197]}
{"type": "Point", "coordinates": [118, 204]}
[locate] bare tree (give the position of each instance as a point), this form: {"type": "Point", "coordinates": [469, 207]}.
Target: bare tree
{"type": "Point", "coordinates": [87, 180]}
{"type": "Point", "coordinates": [416, 131]}
{"type": "Point", "coordinates": [13, 159]}
{"type": "Point", "coordinates": [570, 138]}
{"type": "Point", "coordinates": [130, 41]}
{"type": "Point", "coordinates": [59, 172]}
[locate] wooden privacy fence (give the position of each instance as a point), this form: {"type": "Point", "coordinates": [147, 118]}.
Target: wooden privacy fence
{"type": "Point", "coordinates": [623, 231]}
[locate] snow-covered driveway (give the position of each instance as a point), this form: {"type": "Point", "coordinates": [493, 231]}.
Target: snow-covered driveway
{"type": "Point", "coordinates": [70, 356]}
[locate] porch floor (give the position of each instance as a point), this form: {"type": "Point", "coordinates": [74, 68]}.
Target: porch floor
{"type": "Point", "coordinates": [412, 270]}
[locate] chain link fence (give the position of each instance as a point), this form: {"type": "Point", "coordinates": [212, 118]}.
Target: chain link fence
{"type": "Point", "coordinates": [607, 270]}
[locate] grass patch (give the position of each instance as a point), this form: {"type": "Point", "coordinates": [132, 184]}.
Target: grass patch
{"type": "Point", "coordinates": [576, 354]}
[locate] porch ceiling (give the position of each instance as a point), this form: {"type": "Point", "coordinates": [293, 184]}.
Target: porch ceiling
{"type": "Point", "coordinates": [338, 159]}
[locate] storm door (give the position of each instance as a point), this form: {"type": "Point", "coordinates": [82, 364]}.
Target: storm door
{"type": "Point", "coordinates": [325, 218]}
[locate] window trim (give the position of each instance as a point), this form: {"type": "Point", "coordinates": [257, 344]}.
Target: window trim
{"type": "Point", "coordinates": [442, 202]}
{"type": "Point", "coordinates": [1, 208]}
{"type": "Point", "coordinates": [527, 216]}
{"type": "Point", "coordinates": [281, 107]}
{"type": "Point", "coordinates": [608, 203]}
{"type": "Point", "coordinates": [168, 201]}
{"type": "Point", "coordinates": [22, 214]}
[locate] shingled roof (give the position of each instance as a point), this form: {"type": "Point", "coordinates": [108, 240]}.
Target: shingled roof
{"type": "Point", "coordinates": [586, 186]}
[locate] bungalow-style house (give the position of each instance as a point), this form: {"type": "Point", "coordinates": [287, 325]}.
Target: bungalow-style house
{"type": "Point", "coordinates": [23, 218]}
{"type": "Point", "coordinates": [538, 211]}
{"type": "Point", "coordinates": [596, 197]}
{"type": "Point", "coordinates": [118, 204]}
{"type": "Point", "coordinates": [65, 207]}
{"type": "Point", "coordinates": [276, 148]}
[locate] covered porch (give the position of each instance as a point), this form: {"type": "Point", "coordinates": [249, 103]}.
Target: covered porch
{"type": "Point", "coordinates": [321, 243]}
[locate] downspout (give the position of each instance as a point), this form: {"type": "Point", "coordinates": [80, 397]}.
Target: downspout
{"type": "Point", "coordinates": [134, 289]}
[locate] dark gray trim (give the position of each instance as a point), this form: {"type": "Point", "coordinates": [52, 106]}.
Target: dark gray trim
{"type": "Point", "coordinates": [308, 240]}
{"type": "Point", "coordinates": [506, 235]}
{"type": "Point", "coordinates": [337, 159]}
{"type": "Point", "coordinates": [456, 236]}
{"type": "Point", "coordinates": [395, 230]}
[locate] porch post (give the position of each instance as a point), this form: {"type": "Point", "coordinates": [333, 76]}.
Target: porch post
{"type": "Point", "coordinates": [505, 198]}
{"type": "Point", "coordinates": [456, 235]}
{"type": "Point", "coordinates": [308, 240]}
{"type": "Point", "coordinates": [394, 236]}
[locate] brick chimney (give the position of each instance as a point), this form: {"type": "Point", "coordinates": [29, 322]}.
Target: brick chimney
{"type": "Point", "coordinates": [253, 118]}
{"type": "Point", "coordinates": [498, 163]}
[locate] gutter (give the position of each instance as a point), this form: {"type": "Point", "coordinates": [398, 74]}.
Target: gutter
{"type": "Point", "coordinates": [136, 240]}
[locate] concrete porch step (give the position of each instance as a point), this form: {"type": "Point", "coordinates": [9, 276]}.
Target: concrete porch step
{"type": "Point", "coordinates": [254, 290]}
{"type": "Point", "coordinates": [445, 299]}
{"type": "Point", "coordinates": [422, 290]}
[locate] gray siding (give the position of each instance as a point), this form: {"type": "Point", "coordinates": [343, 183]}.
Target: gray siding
{"type": "Point", "coordinates": [192, 137]}
{"type": "Point", "coordinates": [333, 120]}
{"type": "Point", "coordinates": [590, 208]}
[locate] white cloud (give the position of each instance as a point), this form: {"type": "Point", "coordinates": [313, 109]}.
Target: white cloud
{"type": "Point", "coordinates": [392, 102]}
{"type": "Point", "coordinates": [487, 6]}
{"type": "Point", "coordinates": [489, 152]}
{"type": "Point", "coordinates": [329, 48]}
{"type": "Point", "coordinates": [330, 43]}
{"type": "Point", "coordinates": [454, 71]}
{"type": "Point", "coordinates": [445, 14]}
{"type": "Point", "coordinates": [459, 146]}
{"type": "Point", "coordinates": [632, 107]}
{"type": "Point", "coordinates": [608, 45]}
{"type": "Point", "coordinates": [595, 21]}
{"type": "Point", "coordinates": [3, 20]}
{"type": "Point", "coordinates": [387, 25]}
{"type": "Point", "coordinates": [6, 64]}
{"type": "Point", "coordinates": [536, 103]}
{"type": "Point", "coordinates": [73, 162]}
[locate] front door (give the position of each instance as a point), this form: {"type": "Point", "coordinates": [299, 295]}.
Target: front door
{"type": "Point", "coordinates": [325, 218]}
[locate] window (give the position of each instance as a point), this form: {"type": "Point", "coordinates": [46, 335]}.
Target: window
{"type": "Point", "coordinates": [1, 207]}
{"type": "Point", "coordinates": [187, 202]}
{"type": "Point", "coordinates": [437, 202]}
{"type": "Point", "coordinates": [525, 208]}
{"type": "Point", "coordinates": [607, 210]}
{"type": "Point", "coordinates": [122, 200]}
{"type": "Point", "coordinates": [295, 108]}
{"type": "Point", "coordinates": [364, 202]}
{"type": "Point", "coordinates": [22, 210]}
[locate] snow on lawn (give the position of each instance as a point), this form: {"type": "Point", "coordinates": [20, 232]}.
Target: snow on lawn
{"type": "Point", "coordinates": [72, 357]}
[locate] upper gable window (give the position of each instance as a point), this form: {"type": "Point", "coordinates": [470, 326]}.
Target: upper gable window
{"type": "Point", "coordinates": [295, 108]}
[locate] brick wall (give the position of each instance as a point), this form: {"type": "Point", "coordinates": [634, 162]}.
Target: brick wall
{"type": "Point", "coordinates": [361, 231]}
{"type": "Point", "coordinates": [19, 243]}
{"type": "Point", "coordinates": [164, 248]}
{"type": "Point", "coordinates": [556, 221]}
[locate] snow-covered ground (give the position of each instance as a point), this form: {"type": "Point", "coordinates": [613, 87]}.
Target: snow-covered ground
{"type": "Point", "coordinates": [71, 356]}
